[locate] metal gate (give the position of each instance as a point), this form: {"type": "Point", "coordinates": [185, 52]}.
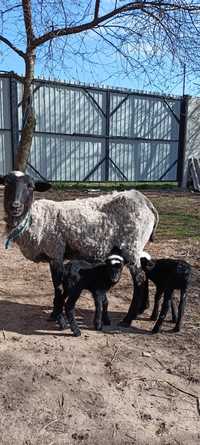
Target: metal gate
{"type": "Point", "coordinates": [96, 134]}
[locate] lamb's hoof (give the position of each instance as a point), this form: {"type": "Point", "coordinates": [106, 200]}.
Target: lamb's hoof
{"type": "Point", "coordinates": [98, 326]}
{"type": "Point", "coordinates": [61, 322]}
{"type": "Point", "coordinates": [175, 329]}
{"type": "Point", "coordinates": [77, 333]}
{"type": "Point", "coordinates": [124, 324]}
{"type": "Point", "coordinates": [155, 330]}
{"type": "Point", "coordinates": [106, 322]}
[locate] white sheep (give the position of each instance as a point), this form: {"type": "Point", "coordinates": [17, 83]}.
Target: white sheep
{"type": "Point", "coordinates": [88, 228]}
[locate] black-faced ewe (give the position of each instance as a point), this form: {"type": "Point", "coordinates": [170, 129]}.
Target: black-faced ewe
{"type": "Point", "coordinates": [88, 228]}
{"type": "Point", "coordinates": [167, 274]}
{"type": "Point", "coordinates": [97, 278]}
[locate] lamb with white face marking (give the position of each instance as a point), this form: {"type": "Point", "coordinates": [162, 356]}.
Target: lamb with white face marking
{"type": "Point", "coordinates": [89, 228]}
{"type": "Point", "coordinates": [97, 278]}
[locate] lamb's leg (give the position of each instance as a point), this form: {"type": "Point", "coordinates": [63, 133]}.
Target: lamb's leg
{"type": "Point", "coordinates": [173, 308]}
{"type": "Point", "coordinates": [98, 299]}
{"type": "Point", "coordinates": [164, 310]}
{"type": "Point", "coordinates": [181, 310]}
{"type": "Point", "coordinates": [70, 310]}
{"type": "Point", "coordinates": [56, 269]}
{"type": "Point", "coordinates": [158, 295]}
{"type": "Point", "coordinates": [105, 317]}
{"type": "Point", "coordinates": [140, 300]}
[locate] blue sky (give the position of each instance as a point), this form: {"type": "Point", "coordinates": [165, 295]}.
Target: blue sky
{"type": "Point", "coordinates": [107, 75]}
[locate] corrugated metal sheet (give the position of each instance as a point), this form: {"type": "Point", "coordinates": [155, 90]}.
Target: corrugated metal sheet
{"type": "Point", "coordinates": [5, 127]}
{"type": "Point", "coordinates": [61, 158]}
{"type": "Point", "coordinates": [143, 161]}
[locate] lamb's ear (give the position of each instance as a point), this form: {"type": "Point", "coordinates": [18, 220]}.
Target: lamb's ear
{"type": "Point", "coordinates": [147, 265]}
{"type": "Point", "coordinates": [143, 262]}
{"type": "Point", "coordinates": [2, 180]}
{"type": "Point", "coordinates": [42, 186]}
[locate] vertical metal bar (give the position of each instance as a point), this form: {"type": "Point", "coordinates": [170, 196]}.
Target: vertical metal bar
{"type": "Point", "coordinates": [39, 126]}
{"type": "Point", "coordinates": [74, 109]}
{"type": "Point", "coordinates": [14, 118]}
{"type": "Point", "coordinates": [64, 116]}
{"type": "Point", "coordinates": [71, 130]}
{"type": "Point", "coordinates": [59, 168]}
{"type": "Point", "coordinates": [56, 129]}
{"type": "Point", "coordinates": [182, 138]}
{"type": "Point", "coordinates": [70, 165]}
{"type": "Point", "coordinates": [107, 142]}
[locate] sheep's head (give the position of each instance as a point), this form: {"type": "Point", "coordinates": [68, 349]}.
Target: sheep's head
{"type": "Point", "coordinates": [18, 195]}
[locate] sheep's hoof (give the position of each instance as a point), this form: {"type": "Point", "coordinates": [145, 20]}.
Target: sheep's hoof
{"type": "Point", "coordinates": [61, 322]}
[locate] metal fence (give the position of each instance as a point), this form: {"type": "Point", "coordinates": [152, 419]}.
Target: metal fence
{"type": "Point", "coordinates": [90, 133]}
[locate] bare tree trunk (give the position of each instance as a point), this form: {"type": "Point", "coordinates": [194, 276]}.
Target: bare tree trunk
{"type": "Point", "coordinates": [28, 124]}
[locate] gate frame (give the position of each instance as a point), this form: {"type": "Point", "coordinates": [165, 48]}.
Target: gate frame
{"type": "Point", "coordinates": [182, 121]}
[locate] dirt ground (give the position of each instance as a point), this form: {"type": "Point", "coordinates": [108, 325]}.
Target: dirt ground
{"type": "Point", "coordinates": [116, 387]}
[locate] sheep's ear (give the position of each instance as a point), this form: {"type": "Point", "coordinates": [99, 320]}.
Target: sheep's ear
{"type": "Point", "coordinates": [2, 180]}
{"type": "Point", "coordinates": [42, 186]}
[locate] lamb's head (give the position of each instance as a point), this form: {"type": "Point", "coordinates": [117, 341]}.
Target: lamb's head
{"type": "Point", "coordinates": [115, 263]}
{"type": "Point", "coordinates": [18, 195]}
{"type": "Point", "coordinates": [147, 264]}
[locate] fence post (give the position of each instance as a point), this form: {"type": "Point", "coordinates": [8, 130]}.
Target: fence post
{"type": "Point", "coordinates": [107, 135]}
{"type": "Point", "coordinates": [14, 118]}
{"type": "Point", "coordinates": [182, 138]}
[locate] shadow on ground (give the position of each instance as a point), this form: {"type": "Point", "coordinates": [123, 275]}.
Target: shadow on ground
{"type": "Point", "coordinates": [32, 319]}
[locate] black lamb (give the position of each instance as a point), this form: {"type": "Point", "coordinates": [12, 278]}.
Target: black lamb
{"type": "Point", "coordinates": [98, 278]}
{"type": "Point", "coordinates": [167, 274]}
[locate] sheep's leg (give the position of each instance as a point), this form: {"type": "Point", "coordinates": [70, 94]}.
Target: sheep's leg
{"type": "Point", "coordinates": [105, 317]}
{"type": "Point", "coordinates": [56, 269]}
{"type": "Point", "coordinates": [155, 311]}
{"type": "Point", "coordinates": [98, 300]}
{"type": "Point", "coordinates": [164, 310]}
{"type": "Point", "coordinates": [70, 311]}
{"type": "Point", "coordinates": [140, 300]}
{"type": "Point", "coordinates": [181, 310]}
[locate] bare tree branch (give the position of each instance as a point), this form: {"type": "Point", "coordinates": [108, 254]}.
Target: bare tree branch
{"type": "Point", "coordinates": [97, 21]}
{"type": "Point", "coordinates": [6, 11]}
{"type": "Point", "coordinates": [13, 47]}
{"type": "Point", "coordinates": [96, 10]}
